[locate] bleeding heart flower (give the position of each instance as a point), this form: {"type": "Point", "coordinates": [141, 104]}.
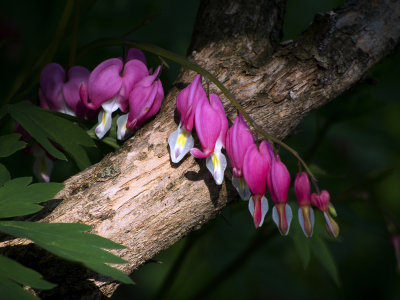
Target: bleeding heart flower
{"type": "Point", "coordinates": [305, 212]}
{"type": "Point", "coordinates": [181, 140]}
{"type": "Point", "coordinates": [109, 86]}
{"type": "Point", "coordinates": [144, 102]}
{"type": "Point", "coordinates": [322, 202]}
{"type": "Point", "coordinates": [238, 140]}
{"type": "Point", "coordinates": [211, 127]}
{"type": "Point", "coordinates": [256, 166]}
{"type": "Point", "coordinates": [62, 95]}
{"type": "Point", "coordinates": [278, 185]}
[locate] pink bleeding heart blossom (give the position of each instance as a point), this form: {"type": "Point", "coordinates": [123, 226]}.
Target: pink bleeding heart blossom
{"type": "Point", "coordinates": [144, 102]}
{"type": "Point", "coordinates": [181, 140]}
{"type": "Point", "coordinates": [305, 212]}
{"type": "Point", "coordinates": [256, 166]}
{"type": "Point", "coordinates": [110, 84]}
{"type": "Point", "coordinates": [322, 202]}
{"type": "Point", "coordinates": [238, 140]}
{"type": "Point", "coordinates": [211, 127]}
{"type": "Point", "coordinates": [61, 93]}
{"type": "Point", "coordinates": [278, 185]}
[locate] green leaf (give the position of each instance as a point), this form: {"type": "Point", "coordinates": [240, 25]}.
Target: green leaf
{"type": "Point", "coordinates": [4, 174]}
{"type": "Point", "coordinates": [44, 126]}
{"type": "Point", "coordinates": [14, 271]}
{"type": "Point", "coordinates": [302, 244]}
{"type": "Point", "coordinates": [18, 198]}
{"type": "Point", "coordinates": [10, 143]}
{"type": "Point", "coordinates": [321, 251]}
{"type": "Point", "coordinates": [71, 242]}
{"type": "Point", "coordinates": [13, 291]}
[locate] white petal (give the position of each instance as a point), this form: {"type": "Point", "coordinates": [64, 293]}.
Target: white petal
{"type": "Point", "coordinates": [264, 208]}
{"type": "Point", "coordinates": [180, 142]}
{"type": "Point", "coordinates": [241, 187]}
{"type": "Point", "coordinates": [121, 127]}
{"type": "Point", "coordinates": [42, 166]}
{"type": "Point", "coordinates": [251, 206]}
{"type": "Point", "coordinates": [110, 105]}
{"type": "Point", "coordinates": [301, 221]}
{"type": "Point", "coordinates": [328, 222]}
{"type": "Point", "coordinates": [104, 124]}
{"type": "Point", "coordinates": [216, 164]}
{"type": "Point", "coordinates": [289, 217]}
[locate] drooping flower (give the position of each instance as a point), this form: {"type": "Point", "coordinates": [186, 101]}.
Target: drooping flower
{"type": "Point", "coordinates": [211, 127]}
{"type": "Point", "coordinates": [278, 185]}
{"type": "Point", "coordinates": [61, 93]}
{"type": "Point", "coordinates": [305, 212]}
{"type": "Point", "coordinates": [238, 140]}
{"type": "Point", "coordinates": [322, 202]}
{"type": "Point", "coordinates": [109, 86]}
{"type": "Point", "coordinates": [181, 140]}
{"type": "Point", "coordinates": [256, 166]}
{"type": "Point", "coordinates": [144, 102]}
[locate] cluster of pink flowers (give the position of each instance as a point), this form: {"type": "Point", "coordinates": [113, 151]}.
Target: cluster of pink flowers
{"type": "Point", "coordinates": [116, 83]}
{"type": "Point", "coordinates": [256, 169]}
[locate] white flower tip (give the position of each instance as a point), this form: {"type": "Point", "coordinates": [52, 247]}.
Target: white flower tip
{"type": "Point", "coordinates": [241, 187]}
{"type": "Point", "coordinates": [306, 220]}
{"type": "Point", "coordinates": [121, 127]}
{"type": "Point", "coordinates": [104, 126]}
{"type": "Point", "coordinates": [282, 216]}
{"type": "Point", "coordinates": [216, 164]}
{"type": "Point", "coordinates": [180, 142]}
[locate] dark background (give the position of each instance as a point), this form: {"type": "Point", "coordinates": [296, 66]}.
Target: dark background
{"type": "Point", "coordinates": [351, 143]}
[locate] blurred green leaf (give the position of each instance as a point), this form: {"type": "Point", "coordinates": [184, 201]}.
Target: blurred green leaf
{"type": "Point", "coordinates": [321, 252]}
{"type": "Point", "coordinates": [17, 198]}
{"type": "Point", "coordinates": [302, 244]}
{"type": "Point", "coordinates": [10, 143]}
{"type": "Point", "coordinates": [4, 174]}
{"type": "Point", "coordinates": [44, 126]}
{"type": "Point", "coordinates": [71, 242]}
{"type": "Point", "coordinates": [14, 271]}
{"type": "Point", "coordinates": [3, 111]}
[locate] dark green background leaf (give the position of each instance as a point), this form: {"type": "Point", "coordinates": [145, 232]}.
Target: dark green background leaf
{"type": "Point", "coordinates": [45, 126]}
{"type": "Point", "coordinates": [14, 271]}
{"type": "Point", "coordinates": [10, 144]}
{"type": "Point", "coordinates": [18, 198]}
{"type": "Point", "coordinates": [4, 174]}
{"type": "Point", "coordinates": [70, 241]}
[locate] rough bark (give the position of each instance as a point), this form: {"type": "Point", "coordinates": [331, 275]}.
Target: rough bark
{"type": "Point", "coordinates": [138, 198]}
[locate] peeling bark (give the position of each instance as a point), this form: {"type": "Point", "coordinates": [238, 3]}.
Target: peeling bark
{"type": "Point", "coordinates": [138, 198]}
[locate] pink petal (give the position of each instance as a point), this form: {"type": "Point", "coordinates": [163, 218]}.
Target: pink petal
{"type": "Point", "coordinates": [105, 81]}
{"type": "Point", "coordinates": [208, 125]}
{"type": "Point", "coordinates": [302, 189]}
{"type": "Point", "coordinates": [216, 103]}
{"type": "Point", "coordinates": [255, 170]}
{"type": "Point", "coordinates": [187, 100]}
{"type": "Point", "coordinates": [279, 181]}
{"type": "Point", "coordinates": [238, 140]}
{"type": "Point", "coordinates": [321, 201]}
{"type": "Point", "coordinates": [52, 80]}
{"type": "Point", "coordinates": [136, 54]}
{"type": "Point", "coordinates": [77, 75]}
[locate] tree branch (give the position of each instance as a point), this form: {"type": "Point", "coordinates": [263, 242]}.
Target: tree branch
{"type": "Point", "coordinates": [138, 198]}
